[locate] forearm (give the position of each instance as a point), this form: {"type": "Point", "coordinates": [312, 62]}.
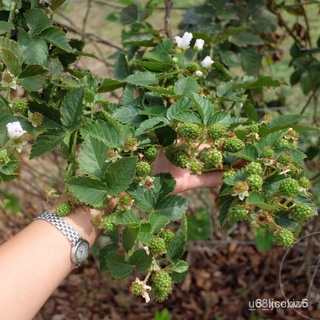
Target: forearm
{"type": "Point", "coordinates": [34, 262]}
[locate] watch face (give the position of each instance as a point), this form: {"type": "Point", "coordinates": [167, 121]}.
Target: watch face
{"type": "Point", "coordinates": [81, 251]}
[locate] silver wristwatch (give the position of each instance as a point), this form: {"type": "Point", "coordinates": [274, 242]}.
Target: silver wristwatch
{"type": "Point", "coordinates": [80, 247]}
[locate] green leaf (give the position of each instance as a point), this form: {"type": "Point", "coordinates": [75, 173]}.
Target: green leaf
{"type": "Point", "coordinates": [56, 4]}
{"type": "Point", "coordinates": [204, 107]}
{"type": "Point", "coordinates": [176, 246]}
{"type": "Point", "coordinates": [141, 260]}
{"type": "Point", "coordinates": [130, 234]}
{"type": "Point", "coordinates": [129, 14]}
{"type": "Point", "coordinates": [186, 87]}
{"type": "Point", "coordinates": [199, 225]}
{"type": "Point", "coordinates": [103, 255]}
{"type": "Point", "coordinates": [117, 265]}
{"type": "Point", "coordinates": [71, 108]}
{"type": "Point", "coordinates": [33, 77]}
{"type": "Point", "coordinates": [151, 124]}
{"type": "Point", "coordinates": [264, 21]}
{"type": "Point", "coordinates": [282, 219]}
{"type": "Point", "coordinates": [92, 157]}
{"type": "Point", "coordinates": [258, 199]}
{"type": "Point", "coordinates": [180, 107]}
{"type": "Point", "coordinates": [10, 167]}
{"type": "Point", "coordinates": [264, 81]}
{"type": "Point", "coordinates": [249, 153]}
{"type": "Point", "coordinates": [11, 45]}
{"type": "Point", "coordinates": [58, 38]}
{"type": "Point", "coordinates": [142, 78]}
{"type": "Point", "coordinates": [35, 50]}
{"type": "Point", "coordinates": [11, 61]}
{"type": "Point", "coordinates": [47, 142]}
{"type": "Point", "coordinates": [157, 221]}
{"type": "Point", "coordinates": [264, 238]}
{"type": "Point", "coordinates": [120, 174]}
{"type": "Point", "coordinates": [55, 67]}
{"type": "Point", "coordinates": [250, 61]}
{"type": "Point", "coordinates": [5, 26]}
{"type": "Point", "coordinates": [283, 122]}
{"type": "Point", "coordinates": [172, 206]}
{"type": "Point", "coordinates": [251, 112]}
{"type": "Point", "coordinates": [180, 267]}
{"type": "Point", "coordinates": [129, 115]}
{"type": "Point", "coordinates": [88, 190]}
{"type": "Point", "coordinates": [121, 68]}
{"type": "Point", "coordinates": [145, 233]}
{"type": "Point", "coordinates": [222, 117]}
{"type": "Point", "coordinates": [126, 217]}
{"type": "Point", "coordinates": [37, 21]}
{"type": "Point", "coordinates": [104, 131]}
{"type": "Point", "coordinates": [110, 84]}
{"type": "Point", "coordinates": [269, 140]}
{"type": "Point", "coordinates": [246, 38]}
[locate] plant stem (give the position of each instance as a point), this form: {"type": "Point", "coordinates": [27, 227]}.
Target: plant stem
{"type": "Point", "coordinates": [167, 18]}
{"type": "Point", "coordinates": [11, 16]}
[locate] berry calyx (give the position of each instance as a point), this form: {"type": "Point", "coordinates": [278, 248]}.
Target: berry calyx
{"type": "Point", "coordinates": [238, 213]}
{"type": "Point", "coordinates": [253, 168]}
{"type": "Point", "coordinates": [233, 145]}
{"type": "Point", "coordinates": [151, 154]}
{"type": "Point", "coordinates": [217, 131]}
{"type": "Point", "coordinates": [143, 169]}
{"type": "Point", "coordinates": [161, 285]}
{"type": "Point", "coordinates": [289, 187]}
{"type": "Point", "coordinates": [301, 212]}
{"type": "Point", "coordinates": [64, 209]}
{"type": "Point", "coordinates": [284, 238]}
{"type": "Point", "coordinates": [20, 105]}
{"type": "Point", "coordinates": [189, 130]}
{"type": "Point", "coordinates": [211, 158]}
{"type": "Point", "coordinates": [157, 246]}
{"type": "Point", "coordinates": [255, 181]}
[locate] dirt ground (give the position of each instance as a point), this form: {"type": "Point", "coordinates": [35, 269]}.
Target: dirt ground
{"type": "Point", "coordinates": [227, 273]}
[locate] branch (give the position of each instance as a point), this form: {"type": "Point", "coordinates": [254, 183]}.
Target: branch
{"type": "Point", "coordinates": [167, 19]}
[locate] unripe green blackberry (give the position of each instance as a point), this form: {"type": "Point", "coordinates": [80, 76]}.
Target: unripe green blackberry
{"type": "Point", "coordinates": [253, 168]}
{"type": "Point", "coordinates": [124, 200]}
{"type": "Point", "coordinates": [211, 158]}
{"type": "Point", "coordinates": [189, 130]}
{"type": "Point", "coordinates": [161, 284]}
{"type": "Point", "coordinates": [228, 174]}
{"type": "Point", "coordinates": [255, 181]}
{"type": "Point", "coordinates": [3, 157]}
{"type": "Point", "coordinates": [130, 144]}
{"type": "Point", "coordinates": [151, 154]}
{"type": "Point", "coordinates": [136, 288]}
{"type": "Point", "coordinates": [217, 131]}
{"type": "Point", "coordinates": [107, 223]}
{"type": "Point", "coordinates": [267, 153]}
{"type": "Point", "coordinates": [167, 235]}
{"type": "Point", "coordinates": [193, 67]}
{"type": "Point", "coordinates": [284, 238]}
{"type": "Point", "coordinates": [253, 128]}
{"type": "Point", "coordinates": [289, 187]}
{"type": "Point", "coordinates": [304, 182]}
{"type": "Point", "coordinates": [64, 209]}
{"type": "Point", "coordinates": [180, 158]}
{"type": "Point", "coordinates": [301, 212]}
{"type": "Point", "coordinates": [196, 167]}
{"type": "Point", "coordinates": [285, 158]}
{"type": "Point", "coordinates": [157, 246]}
{"type": "Point", "coordinates": [238, 213]}
{"type": "Point", "coordinates": [233, 145]}
{"type": "Point", "coordinates": [294, 172]}
{"type": "Point", "coordinates": [143, 169]}
{"type": "Point", "coordinates": [20, 105]}
{"type": "Point", "coordinates": [282, 143]}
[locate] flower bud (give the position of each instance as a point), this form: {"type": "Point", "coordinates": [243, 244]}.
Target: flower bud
{"type": "Point", "coordinates": [184, 42]}
{"type": "Point", "coordinates": [15, 130]}
{"type": "Point", "coordinates": [198, 46]}
{"type": "Point", "coordinates": [206, 62]}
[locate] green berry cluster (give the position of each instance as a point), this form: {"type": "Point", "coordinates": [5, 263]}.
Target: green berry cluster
{"type": "Point", "coordinates": [143, 169]}
{"type": "Point", "coordinates": [284, 237]}
{"type": "Point", "coordinates": [4, 157]}
{"type": "Point", "coordinates": [189, 130]}
{"type": "Point", "coordinates": [20, 105]}
{"type": "Point", "coordinates": [161, 285]}
{"type": "Point", "coordinates": [238, 213]}
{"type": "Point", "coordinates": [151, 154]}
{"type": "Point", "coordinates": [157, 246]}
{"type": "Point", "coordinates": [64, 209]}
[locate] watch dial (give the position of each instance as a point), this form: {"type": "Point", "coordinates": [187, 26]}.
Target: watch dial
{"type": "Point", "coordinates": [82, 251]}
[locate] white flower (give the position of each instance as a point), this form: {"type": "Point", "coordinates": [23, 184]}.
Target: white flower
{"type": "Point", "coordinates": [198, 46]}
{"type": "Point", "coordinates": [9, 80]}
{"type": "Point", "coordinates": [15, 130]}
{"type": "Point", "coordinates": [199, 73]}
{"type": "Point", "coordinates": [206, 62]}
{"type": "Point", "coordinates": [144, 293]}
{"type": "Point", "coordinates": [184, 42]}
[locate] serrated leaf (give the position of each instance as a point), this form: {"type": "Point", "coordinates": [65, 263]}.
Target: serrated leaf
{"type": "Point", "coordinates": [110, 84]}
{"type": "Point", "coordinates": [186, 87]}
{"type": "Point", "coordinates": [92, 157]}
{"type": "Point", "coordinates": [120, 175]}
{"type": "Point", "coordinates": [141, 260]}
{"type": "Point", "coordinates": [172, 206]}
{"type": "Point", "coordinates": [176, 247]}
{"type": "Point", "coordinates": [56, 4]}
{"type": "Point", "coordinates": [222, 117]}
{"type": "Point", "coordinates": [204, 107]}
{"type": "Point", "coordinates": [282, 219]}
{"type": "Point", "coordinates": [117, 265]}
{"type": "Point", "coordinates": [129, 14]}
{"type": "Point", "coordinates": [121, 68]}
{"type": "Point", "coordinates": [104, 131]}
{"type": "Point", "coordinates": [259, 200]}
{"type": "Point", "coordinates": [35, 50]}
{"type": "Point", "coordinates": [103, 255]}
{"type": "Point", "coordinates": [10, 167]}
{"type": "Point", "coordinates": [145, 233]}
{"type": "Point", "coordinates": [71, 108]}
{"type": "Point", "coordinates": [33, 77]}
{"type": "Point", "coordinates": [178, 108]}
{"type": "Point", "coordinates": [250, 61]}
{"type": "Point", "coordinates": [130, 234]}
{"type": "Point", "coordinates": [180, 267]}
{"type": "Point", "coordinates": [151, 124]}
{"type": "Point", "coordinates": [129, 115]}
{"type": "Point", "coordinates": [126, 217]}
{"type": "Point", "coordinates": [5, 26]}
{"type": "Point", "coordinates": [58, 38]}
{"type": "Point", "coordinates": [55, 67]}
{"type": "Point", "coordinates": [224, 210]}
{"type": "Point", "coordinates": [249, 153]}
{"type": "Point", "coordinates": [11, 61]}
{"type": "Point", "coordinates": [47, 142]}
{"type": "Point", "coordinates": [239, 176]}
{"type": "Point", "coordinates": [11, 45]}
{"type": "Point", "coordinates": [157, 221]}
{"type": "Point", "coordinates": [142, 78]}
{"type": "Point", "coordinates": [88, 190]}
{"type": "Point", "coordinates": [283, 122]}
{"type": "Point", "coordinates": [251, 112]}
{"type": "Point", "coordinates": [264, 81]}
{"type": "Point", "coordinates": [37, 21]}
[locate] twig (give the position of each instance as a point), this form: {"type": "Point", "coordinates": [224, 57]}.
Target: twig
{"type": "Point", "coordinates": [85, 18]}
{"type": "Point", "coordinates": [167, 19]}
{"type": "Point", "coordinates": [307, 23]}
{"type": "Point", "coordinates": [308, 101]}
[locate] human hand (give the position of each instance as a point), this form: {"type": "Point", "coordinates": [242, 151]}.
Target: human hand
{"type": "Point", "coordinates": [185, 180]}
